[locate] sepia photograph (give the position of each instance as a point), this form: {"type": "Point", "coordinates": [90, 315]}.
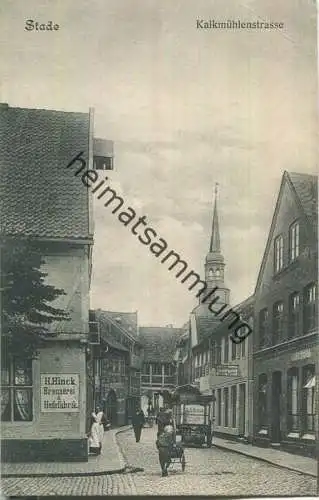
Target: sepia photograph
{"type": "Point", "coordinates": [159, 248]}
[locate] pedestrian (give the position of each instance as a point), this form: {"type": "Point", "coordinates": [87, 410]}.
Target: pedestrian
{"type": "Point", "coordinates": [164, 444]}
{"type": "Point", "coordinates": [138, 420]}
{"type": "Point", "coordinates": [164, 418]}
{"type": "Point", "coordinates": [100, 419]}
{"type": "Point", "coordinates": [94, 436]}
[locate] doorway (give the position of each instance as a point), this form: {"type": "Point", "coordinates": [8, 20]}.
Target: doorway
{"type": "Point", "coordinates": [242, 410]}
{"type": "Point", "coordinates": [111, 407]}
{"type": "Point", "coordinates": [276, 407]}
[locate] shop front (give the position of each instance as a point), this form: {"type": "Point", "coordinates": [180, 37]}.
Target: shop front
{"type": "Point", "coordinates": [285, 413]}
{"type": "Point", "coordinates": [43, 405]}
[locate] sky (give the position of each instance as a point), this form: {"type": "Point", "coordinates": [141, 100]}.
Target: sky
{"type": "Point", "coordinates": [186, 108]}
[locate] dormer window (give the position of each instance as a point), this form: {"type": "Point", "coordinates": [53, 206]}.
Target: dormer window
{"type": "Point", "coordinates": [103, 162]}
{"type": "Point", "coordinates": [103, 155]}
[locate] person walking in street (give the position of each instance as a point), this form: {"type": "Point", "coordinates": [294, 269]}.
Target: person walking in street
{"type": "Point", "coordinates": [164, 418]}
{"type": "Point", "coordinates": [138, 420]}
{"type": "Point", "coordinates": [164, 444]}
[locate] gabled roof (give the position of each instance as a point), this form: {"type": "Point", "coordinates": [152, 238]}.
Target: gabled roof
{"type": "Point", "coordinates": [115, 344]}
{"type": "Point", "coordinates": [110, 329]}
{"type": "Point", "coordinates": [305, 190]}
{"type": "Point", "coordinates": [246, 307]}
{"type": "Point", "coordinates": [125, 320]}
{"type": "Point", "coordinates": [206, 326]}
{"type": "Point", "coordinates": [159, 343]}
{"type": "Point", "coordinates": [39, 197]}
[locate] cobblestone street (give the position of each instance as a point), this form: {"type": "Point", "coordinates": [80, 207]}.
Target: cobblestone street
{"type": "Point", "coordinates": [209, 472]}
{"type": "Point", "coordinates": [117, 484]}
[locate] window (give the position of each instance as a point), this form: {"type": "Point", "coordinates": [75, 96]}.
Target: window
{"type": "Point", "coordinates": [233, 350]}
{"type": "Point", "coordinates": [218, 353]}
{"type": "Point", "coordinates": [157, 369]}
{"type": "Point", "coordinates": [226, 407]}
{"type": "Point", "coordinates": [219, 400]}
{"type": "Point", "coordinates": [310, 308]}
{"type": "Point", "coordinates": [242, 346]}
{"type": "Point", "coordinates": [97, 367]}
{"type": "Point", "coordinates": [94, 329]}
{"type": "Point", "coordinates": [294, 241]}
{"type": "Point", "coordinates": [294, 315]}
{"type": "Point", "coordinates": [262, 401]}
{"type": "Point", "coordinates": [103, 162]}
{"type": "Point", "coordinates": [147, 368]}
{"type": "Point", "coordinates": [167, 369]}
{"type": "Point", "coordinates": [16, 391]}
{"type": "Point", "coordinates": [277, 322]}
{"type": "Point", "coordinates": [279, 252]}
{"type": "Point", "coordinates": [308, 399]}
{"type": "Point", "coordinates": [263, 328]}
{"type": "Point", "coordinates": [233, 404]}
{"type": "Point", "coordinates": [226, 349]}
{"type": "Point", "coordinates": [213, 353]}
{"type": "Point", "coordinates": [214, 402]}
{"type": "Point", "coordinates": [292, 400]}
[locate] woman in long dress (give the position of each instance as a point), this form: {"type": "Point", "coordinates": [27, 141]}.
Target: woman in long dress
{"type": "Point", "coordinates": [95, 436]}
{"type": "Point", "coordinates": [99, 419]}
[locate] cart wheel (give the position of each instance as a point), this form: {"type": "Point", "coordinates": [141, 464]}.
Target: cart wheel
{"type": "Point", "coordinates": [183, 462]}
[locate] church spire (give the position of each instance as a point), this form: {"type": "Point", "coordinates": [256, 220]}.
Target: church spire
{"type": "Point", "coordinates": [215, 237]}
{"type": "Point", "coordinates": [214, 262]}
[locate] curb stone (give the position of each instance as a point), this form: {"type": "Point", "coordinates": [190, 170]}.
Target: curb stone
{"type": "Point", "coordinates": [130, 467]}
{"type": "Point", "coordinates": [266, 460]}
{"type": "Point", "coordinates": [124, 469]}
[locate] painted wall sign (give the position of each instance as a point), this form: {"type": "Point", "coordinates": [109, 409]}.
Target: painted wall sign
{"type": "Point", "coordinates": [204, 383]}
{"type": "Point", "coordinates": [60, 392]}
{"type": "Point", "coordinates": [193, 414]}
{"type": "Point", "coordinates": [227, 371]}
{"type": "Point", "coordinates": [305, 354]}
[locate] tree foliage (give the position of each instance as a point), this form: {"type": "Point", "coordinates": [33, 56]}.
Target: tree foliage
{"type": "Point", "coordinates": [26, 298]}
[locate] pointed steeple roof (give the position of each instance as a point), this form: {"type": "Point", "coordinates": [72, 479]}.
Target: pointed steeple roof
{"type": "Point", "coordinates": [215, 237]}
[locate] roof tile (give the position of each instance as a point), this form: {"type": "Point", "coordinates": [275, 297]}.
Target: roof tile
{"type": "Point", "coordinates": [159, 343]}
{"type": "Point", "coordinates": [39, 197]}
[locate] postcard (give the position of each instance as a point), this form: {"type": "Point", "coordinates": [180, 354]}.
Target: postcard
{"type": "Point", "coordinates": [159, 248]}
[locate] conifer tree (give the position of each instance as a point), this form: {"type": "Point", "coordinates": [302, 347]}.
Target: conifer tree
{"type": "Point", "coordinates": [26, 299]}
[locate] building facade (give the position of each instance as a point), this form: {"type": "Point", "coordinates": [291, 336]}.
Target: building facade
{"type": "Point", "coordinates": [208, 357]}
{"type": "Point", "coordinates": [116, 364]}
{"type": "Point", "coordinates": [286, 327]}
{"type": "Point", "coordinates": [159, 371]}
{"type": "Point", "coordinates": [44, 202]}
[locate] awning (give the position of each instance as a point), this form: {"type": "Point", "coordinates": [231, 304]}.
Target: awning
{"type": "Point", "coordinates": [311, 383]}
